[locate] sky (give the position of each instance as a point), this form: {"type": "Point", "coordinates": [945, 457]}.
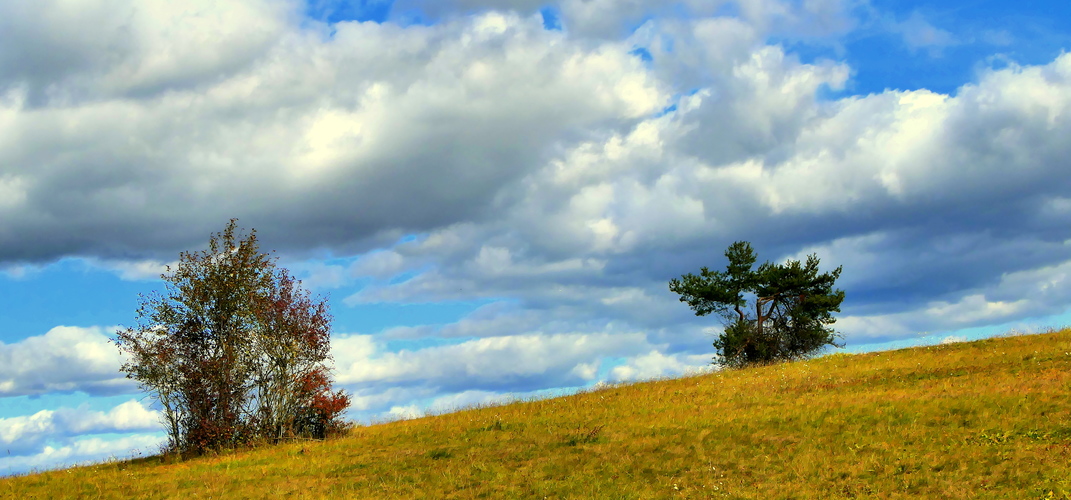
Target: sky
{"type": "Point", "coordinates": [493, 195]}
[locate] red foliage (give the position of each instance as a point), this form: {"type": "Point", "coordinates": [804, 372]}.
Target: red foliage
{"type": "Point", "coordinates": [236, 351]}
{"type": "Point", "coordinates": [323, 410]}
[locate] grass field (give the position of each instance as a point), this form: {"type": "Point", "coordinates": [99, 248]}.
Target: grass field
{"type": "Point", "coordinates": [986, 419]}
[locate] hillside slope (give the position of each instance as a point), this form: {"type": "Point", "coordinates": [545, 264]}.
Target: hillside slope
{"type": "Point", "coordinates": [986, 419]}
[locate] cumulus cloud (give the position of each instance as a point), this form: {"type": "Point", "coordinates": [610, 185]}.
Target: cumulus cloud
{"type": "Point", "coordinates": [405, 383]}
{"type": "Point", "coordinates": [656, 364]}
{"type": "Point", "coordinates": [134, 270]}
{"type": "Point", "coordinates": [60, 51]}
{"type": "Point", "coordinates": [83, 451]}
{"type": "Point", "coordinates": [316, 139]}
{"type": "Point", "coordinates": [65, 359]}
{"type": "Point", "coordinates": [466, 399]}
{"type": "Point", "coordinates": [1015, 296]}
{"type": "Point", "coordinates": [952, 339]}
{"type": "Point", "coordinates": [404, 412]}
{"type": "Point", "coordinates": [930, 201]}
{"type": "Point", "coordinates": [535, 165]}
{"type": "Point", "coordinates": [453, 402]}
{"type": "Point", "coordinates": [27, 435]}
{"type": "Point", "coordinates": [519, 362]}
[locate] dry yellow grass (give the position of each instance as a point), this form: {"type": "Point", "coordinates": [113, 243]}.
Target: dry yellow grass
{"type": "Point", "coordinates": [986, 419]}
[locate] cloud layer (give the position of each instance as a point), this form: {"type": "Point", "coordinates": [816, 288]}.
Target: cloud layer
{"type": "Point", "coordinates": [327, 138]}
{"type": "Point", "coordinates": [531, 163]}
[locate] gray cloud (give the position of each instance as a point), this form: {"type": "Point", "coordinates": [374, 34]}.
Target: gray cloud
{"type": "Point", "coordinates": [70, 51]}
{"type": "Point", "coordinates": [316, 141]}
{"type": "Point", "coordinates": [925, 198]}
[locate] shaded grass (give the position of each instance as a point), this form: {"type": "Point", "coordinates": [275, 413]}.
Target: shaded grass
{"type": "Point", "coordinates": [985, 419]}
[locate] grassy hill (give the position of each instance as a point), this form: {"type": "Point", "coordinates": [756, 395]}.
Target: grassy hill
{"type": "Point", "coordinates": [986, 419]}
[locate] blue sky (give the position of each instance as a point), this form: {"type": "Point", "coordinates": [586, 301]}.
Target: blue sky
{"type": "Point", "coordinates": [494, 194]}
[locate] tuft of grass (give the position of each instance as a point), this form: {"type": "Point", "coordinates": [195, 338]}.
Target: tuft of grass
{"type": "Point", "coordinates": [440, 453]}
{"type": "Point", "coordinates": [985, 419]}
{"type": "Point", "coordinates": [584, 436]}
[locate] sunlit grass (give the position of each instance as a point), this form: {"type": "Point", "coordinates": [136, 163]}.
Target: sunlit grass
{"type": "Point", "coordinates": [986, 419]}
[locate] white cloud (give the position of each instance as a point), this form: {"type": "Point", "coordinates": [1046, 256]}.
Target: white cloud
{"type": "Point", "coordinates": [27, 435]}
{"type": "Point", "coordinates": [522, 362]}
{"type": "Point", "coordinates": [134, 270]}
{"type": "Point", "coordinates": [64, 359]}
{"type": "Point", "coordinates": [83, 451]}
{"type": "Point", "coordinates": [318, 276]}
{"type": "Point", "coordinates": [527, 362]}
{"type": "Point", "coordinates": [467, 399]}
{"type": "Point", "coordinates": [379, 264]}
{"type": "Point", "coordinates": [1018, 295]}
{"type": "Point", "coordinates": [404, 412]}
{"type": "Point", "coordinates": [656, 364]}
{"type": "Point", "coordinates": [452, 402]}
{"type": "Point", "coordinates": [974, 309]}
{"type": "Point", "coordinates": [371, 403]}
